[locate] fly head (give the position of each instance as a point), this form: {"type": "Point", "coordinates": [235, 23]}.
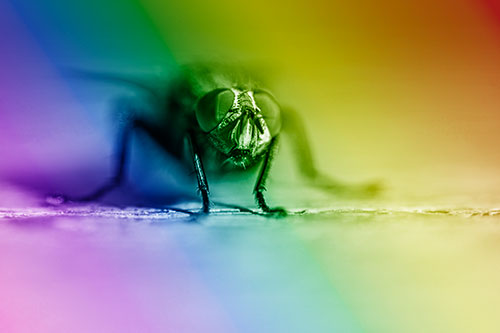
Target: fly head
{"type": "Point", "coordinates": [239, 123]}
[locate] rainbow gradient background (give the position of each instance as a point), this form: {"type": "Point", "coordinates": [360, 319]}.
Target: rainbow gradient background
{"type": "Point", "coordinates": [401, 91]}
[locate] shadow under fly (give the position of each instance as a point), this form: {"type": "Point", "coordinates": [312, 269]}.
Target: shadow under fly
{"type": "Point", "coordinates": [217, 118]}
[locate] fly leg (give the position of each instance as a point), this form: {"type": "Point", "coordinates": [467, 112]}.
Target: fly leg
{"type": "Point", "coordinates": [260, 185]}
{"type": "Point", "coordinates": [118, 175]}
{"type": "Point", "coordinates": [133, 124]}
{"type": "Point", "coordinates": [294, 128]}
{"type": "Point", "coordinates": [200, 173]}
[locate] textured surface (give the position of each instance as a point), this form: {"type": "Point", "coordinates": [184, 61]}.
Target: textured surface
{"type": "Point", "coordinates": [84, 268]}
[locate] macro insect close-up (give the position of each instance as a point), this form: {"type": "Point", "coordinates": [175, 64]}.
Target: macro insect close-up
{"type": "Point", "coordinates": [218, 119]}
{"type": "Point", "coordinates": [264, 166]}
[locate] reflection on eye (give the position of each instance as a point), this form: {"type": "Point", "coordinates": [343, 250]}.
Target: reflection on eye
{"type": "Point", "coordinates": [212, 108]}
{"type": "Point", "coordinates": [270, 111]}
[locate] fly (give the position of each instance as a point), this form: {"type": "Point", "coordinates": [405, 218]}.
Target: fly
{"type": "Point", "coordinates": [225, 119]}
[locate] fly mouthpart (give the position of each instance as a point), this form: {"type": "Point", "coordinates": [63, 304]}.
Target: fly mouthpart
{"type": "Point", "coordinates": [226, 161]}
{"type": "Point", "coordinates": [240, 153]}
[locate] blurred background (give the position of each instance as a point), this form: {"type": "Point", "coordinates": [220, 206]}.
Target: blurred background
{"type": "Point", "coordinates": [405, 92]}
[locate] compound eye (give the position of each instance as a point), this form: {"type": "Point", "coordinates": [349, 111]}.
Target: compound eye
{"type": "Point", "coordinates": [270, 111]}
{"type": "Point", "coordinates": [212, 108]}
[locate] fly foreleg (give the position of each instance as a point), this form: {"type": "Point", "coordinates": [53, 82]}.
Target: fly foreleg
{"type": "Point", "coordinates": [200, 173]}
{"type": "Point", "coordinates": [260, 185]}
